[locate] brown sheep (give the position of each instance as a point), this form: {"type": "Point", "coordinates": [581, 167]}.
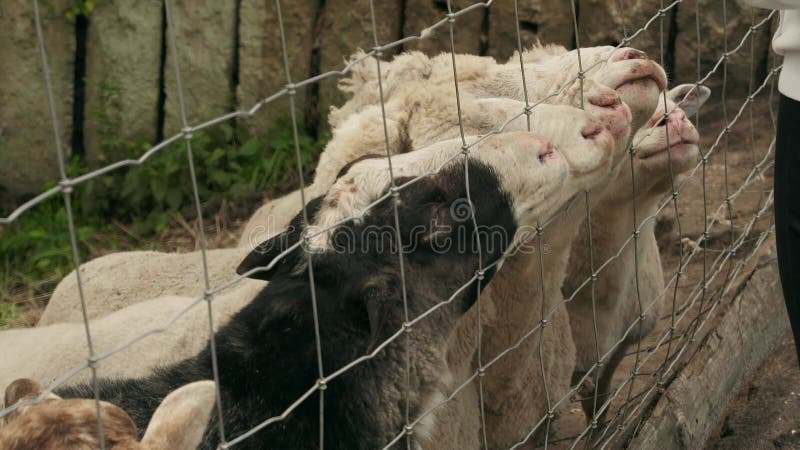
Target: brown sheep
{"type": "Point", "coordinates": [71, 424]}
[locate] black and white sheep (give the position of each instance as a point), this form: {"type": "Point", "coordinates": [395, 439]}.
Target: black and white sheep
{"type": "Point", "coordinates": [267, 352]}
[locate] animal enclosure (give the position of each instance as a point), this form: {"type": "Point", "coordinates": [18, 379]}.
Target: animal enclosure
{"type": "Point", "coordinates": [710, 226]}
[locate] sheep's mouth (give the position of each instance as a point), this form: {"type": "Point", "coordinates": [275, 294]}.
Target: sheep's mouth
{"type": "Point", "coordinates": [642, 79]}
{"type": "Point", "coordinates": [642, 74]}
{"type": "Point", "coordinates": [679, 146]}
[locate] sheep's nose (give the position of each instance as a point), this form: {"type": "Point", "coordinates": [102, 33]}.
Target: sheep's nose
{"type": "Point", "coordinates": [592, 130]}
{"type": "Point", "coordinates": [676, 118]}
{"type": "Point", "coordinates": [547, 151]}
{"type": "Point", "coordinates": [610, 100]}
{"type": "Point", "coordinates": [629, 53]}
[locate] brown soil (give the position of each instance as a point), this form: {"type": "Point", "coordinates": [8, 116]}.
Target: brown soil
{"type": "Point", "coordinates": [766, 412]}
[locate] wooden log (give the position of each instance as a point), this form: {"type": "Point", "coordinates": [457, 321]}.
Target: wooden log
{"type": "Point", "coordinates": [748, 330]}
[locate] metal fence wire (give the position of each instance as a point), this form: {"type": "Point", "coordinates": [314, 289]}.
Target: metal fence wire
{"type": "Point", "coordinates": [655, 357]}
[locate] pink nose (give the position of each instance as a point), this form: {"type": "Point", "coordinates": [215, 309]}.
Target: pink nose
{"type": "Point", "coordinates": [628, 53]}
{"type": "Point", "coordinates": [609, 100]}
{"type": "Point", "coordinates": [677, 117]}
{"type": "Point", "coordinates": [547, 151]}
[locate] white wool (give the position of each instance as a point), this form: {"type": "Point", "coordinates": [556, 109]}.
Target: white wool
{"type": "Point", "coordinates": [46, 353]}
{"type": "Point", "coordinates": [115, 281]}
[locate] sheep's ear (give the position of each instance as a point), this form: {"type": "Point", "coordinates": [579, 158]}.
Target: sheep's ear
{"type": "Point", "coordinates": [181, 419]}
{"type": "Point", "coordinates": [20, 389]}
{"type": "Point", "coordinates": [23, 389]}
{"type": "Point", "coordinates": [427, 216]}
{"type": "Point", "coordinates": [267, 251]}
{"type": "Point", "coordinates": [693, 100]}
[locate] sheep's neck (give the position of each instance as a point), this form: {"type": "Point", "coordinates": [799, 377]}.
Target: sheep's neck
{"type": "Point", "coordinates": [516, 291]}
{"type": "Point", "coordinates": [612, 230]}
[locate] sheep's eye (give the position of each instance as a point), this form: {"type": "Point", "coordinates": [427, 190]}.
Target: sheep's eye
{"type": "Point", "coordinates": [661, 122]}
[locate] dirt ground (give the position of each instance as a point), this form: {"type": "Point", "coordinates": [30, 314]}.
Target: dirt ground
{"type": "Point", "coordinates": [766, 412]}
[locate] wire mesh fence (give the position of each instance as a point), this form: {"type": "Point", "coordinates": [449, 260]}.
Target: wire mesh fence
{"type": "Point", "coordinates": [705, 270]}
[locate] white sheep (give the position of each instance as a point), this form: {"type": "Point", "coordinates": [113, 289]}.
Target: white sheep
{"type": "Point", "coordinates": [117, 280]}
{"type": "Point", "coordinates": [514, 393]}
{"type": "Point", "coordinates": [616, 292]}
{"type": "Point", "coordinates": [550, 77]}
{"type": "Point", "coordinates": [46, 353]}
{"type": "Point", "coordinates": [57, 424]}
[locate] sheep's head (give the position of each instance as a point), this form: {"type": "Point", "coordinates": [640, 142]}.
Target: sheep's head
{"type": "Point", "coordinates": [514, 179]}
{"type": "Point", "coordinates": [657, 157]}
{"type": "Point", "coordinates": [671, 140]}
{"type": "Point", "coordinates": [592, 141]}
{"type": "Point", "coordinates": [636, 78]}
{"type": "Point", "coordinates": [71, 424]}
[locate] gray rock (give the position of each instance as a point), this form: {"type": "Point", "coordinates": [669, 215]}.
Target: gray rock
{"type": "Point", "coordinates": [420, 14]}
{"type": "Point", "coordinates": [713, 33]}
{"type": "Point", "coordinates": [123, 49]}
{"type": "Point", "coordinates": [204, 38]}
{"type": "Point", "coordinates": [261, 68]}
{"type": "Point", "coordinates": [346, 26]}
{"type": "Point", "coordinates": [26, 131]}
{"type": "Point", "coordinates": [602, 21]}
{"type": "Point", "coordinates": [547, 20]}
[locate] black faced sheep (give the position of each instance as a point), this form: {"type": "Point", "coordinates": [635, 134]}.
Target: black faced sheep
{"type": "Point", "coordinates": [267, 352]}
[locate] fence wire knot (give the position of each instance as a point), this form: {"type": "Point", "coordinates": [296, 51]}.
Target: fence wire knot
{"type": "Point", "coordinates": [65, 186]}
{"type": "Point", "coordinates": [92, 361]}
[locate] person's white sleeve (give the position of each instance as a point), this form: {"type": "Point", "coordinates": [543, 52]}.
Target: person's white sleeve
{"type": "Point", "coordinates": [774, 4]}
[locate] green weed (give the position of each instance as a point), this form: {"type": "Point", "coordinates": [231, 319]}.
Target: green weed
{"type": "Point", "coordinates": [144, 199]}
